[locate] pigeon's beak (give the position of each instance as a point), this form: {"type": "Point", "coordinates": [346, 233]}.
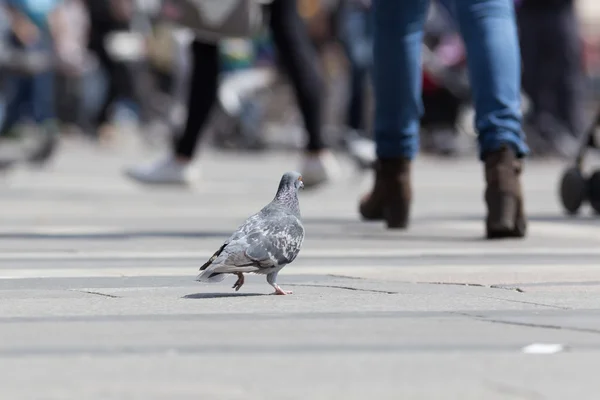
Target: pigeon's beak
{"type": "Point", "coordinates": [301, 185]}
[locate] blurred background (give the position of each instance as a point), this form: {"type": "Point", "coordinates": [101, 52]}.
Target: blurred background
{"type": "Point", "coordinates": [97, 290]}
{"type": "Point", "coordinates": [119, 71]}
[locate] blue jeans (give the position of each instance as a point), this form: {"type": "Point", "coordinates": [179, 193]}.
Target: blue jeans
{"type": "Point", "coordinates": [490, 34]}
{"type": "Point", "coordinates": [29, 95]}
{"type": "Point", "coordinates": [356, 34]}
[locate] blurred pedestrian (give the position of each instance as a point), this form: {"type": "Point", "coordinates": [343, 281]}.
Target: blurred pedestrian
{"type": "Point", "coordinates": [299, 59]}
{"type": "Point", "coordinates": [356, 36]}
{"type": "Point", "coordinates": [355, 27]}
{"type": "Point", "coordinates": [127, 80]}
{"type": "Point", "coordinates": [37, 30]}
{"type": "Point", "coordinates": [71, 71]}
{"type": "Point", "coordinates": [553, 74]}
{"type": "Point", "coordinates": [489, 30]}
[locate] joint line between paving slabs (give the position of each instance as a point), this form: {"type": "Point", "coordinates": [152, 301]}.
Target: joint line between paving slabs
{"type": "Point", "coordinates": [495, 286]}
{"type": "Point", "coordinates": [525, 324]}
{"type": "Point", "coordinates": [112, 296]}
{"type": "Point", "coordinates": [343, 288]}
{"type": "Point", "coordinates": [528, 302]}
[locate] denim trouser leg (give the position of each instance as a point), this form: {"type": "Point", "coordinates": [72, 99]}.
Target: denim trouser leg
{"type": "Point", "coordinates": [489, 30]}
{"type": "Point", "coordinates": [42, 101]}
{"type": "Point", "coordinates": [35, 91]}
{"type": "Point", "coordinates": [397, 78]}
{"type": "Point", "coordinates": [356, 37]}
{"type": "Point", "coordinates": [18, 89]}
{"type": "Point", "coordinates": [490, 34]}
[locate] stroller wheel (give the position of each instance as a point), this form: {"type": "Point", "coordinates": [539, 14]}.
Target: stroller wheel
{"type": "Point", "coordinates": [573, 190]}
{"type": "Point", "coordinates": [594, 191]}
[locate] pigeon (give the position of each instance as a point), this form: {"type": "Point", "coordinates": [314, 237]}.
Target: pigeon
{"type": "Point", "coordinates": [265, 243]}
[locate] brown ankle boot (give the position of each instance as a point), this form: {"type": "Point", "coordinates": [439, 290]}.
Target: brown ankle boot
{"type": "Point", "coordinates": [391, 195]}
{"type": "Point", "coordinates": [503, 195]}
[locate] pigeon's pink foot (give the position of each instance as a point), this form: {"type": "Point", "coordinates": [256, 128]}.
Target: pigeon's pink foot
{"type": "Point", "coordinates": [279, 291]}
{"type": "Point", "coordinates": [238, 284]}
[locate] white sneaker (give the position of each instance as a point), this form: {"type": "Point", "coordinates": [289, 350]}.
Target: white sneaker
{"type": "Point", "coordinates": [318, 168]}
{"type": "Point", "coordinates": [361, 150]}
{"type": "Point", "coordinates": [167, 171]}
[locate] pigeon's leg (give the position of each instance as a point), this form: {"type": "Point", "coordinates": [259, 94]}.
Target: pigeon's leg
{"type": "Point", "coordinates": [272, 278]}
{"type": "Point", "coordinates": [238, 284]}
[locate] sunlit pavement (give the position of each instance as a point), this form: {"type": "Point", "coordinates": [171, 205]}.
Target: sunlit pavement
{"type": "Point", "coordinates": [98, 298]}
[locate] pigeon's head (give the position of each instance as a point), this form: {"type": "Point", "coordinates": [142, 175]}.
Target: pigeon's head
{"type": "Point", "coordinates": [289, 185]}
{"type": "Point", "coordinates": [287, 192]}
{"type": "Point", "coordinates": [291, 179]}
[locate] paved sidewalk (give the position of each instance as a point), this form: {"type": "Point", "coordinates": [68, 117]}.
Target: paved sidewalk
{"type": "Point", "coordinates": [98, 298]}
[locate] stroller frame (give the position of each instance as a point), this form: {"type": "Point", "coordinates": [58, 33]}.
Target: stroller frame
{"type": "Point", "coordinates": [575, 187]}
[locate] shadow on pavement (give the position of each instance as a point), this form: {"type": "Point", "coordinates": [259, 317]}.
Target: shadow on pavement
{"type": "Point", "coordinates": [220, 295]}
{"type": "Point", "coordinates": [116, 235]}
{"type": "Point", "coordinates": [584, 218]}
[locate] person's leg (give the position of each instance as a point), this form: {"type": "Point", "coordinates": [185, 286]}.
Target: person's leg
{"type": "Point", "coordinates": [107, 66]}
{"type": "Point", "coordinates": [43, 97]}
{"type": "Point", "coordinates": [568, 69]}
{"type": "Point", "coordinates": [44, 114]}
{"type": "Point", "coordinates": [299, 59]}
{"type": "Point", "coordinates": [489, 30]}
{"type": "Point", "coordinates": [16, 92]}
{"type": "Point", "coordinates": [398, 37]}
{"type": "Point", "coordinates": [16, 95]}
{"type": "Point", "coordinates": [490, 33]}
{"type": "Point", "coordinates": [144, 92]}
{"type": "Point", "coordinates": [177, 168]}
{"type": "Point", "coordinates": [204, 85]}
{"type": "Point", "coordinates": [355, 110]}
{"type": "Point", "coordinates": [530, 27]}
{"type": "Point", "coordinates": [357, 43]}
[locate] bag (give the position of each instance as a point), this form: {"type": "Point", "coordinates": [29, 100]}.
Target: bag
{"type": "Point", "coordinates": [214, 20]}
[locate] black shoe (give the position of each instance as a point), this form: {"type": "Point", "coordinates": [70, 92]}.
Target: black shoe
{"type": "Point", "coordinates": [45, 148]}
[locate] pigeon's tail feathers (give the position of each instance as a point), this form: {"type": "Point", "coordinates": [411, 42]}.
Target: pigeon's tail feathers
{"type": "Point", "coordinates": [210, 276]}
{"type": "Point", "coordinates": [217, 273]}
{"type": "Point", "coordinates": [214, 256]}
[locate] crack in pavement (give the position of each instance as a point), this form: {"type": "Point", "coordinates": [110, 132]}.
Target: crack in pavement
{"type": "Point", "coordinates": [527, 302]}
{"type": "Point", "coordinates": [526, 324]}
{"type": "Point", "coordinates": [358, 278]}
{"type": "Point", "coordinates": [513, 289]}
{"type": "Point", "coordinates": [112, 296]}
{"type": "Point", "coordinates": [343, 287]}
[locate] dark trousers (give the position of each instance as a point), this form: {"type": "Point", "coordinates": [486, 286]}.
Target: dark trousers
{"type": "Point", "coordinates": [126, 80]}
{"type": "Point", "coordinates": [552, 66]}
{"type": "Point", "coordinates": [29, 95]}
{"type": "Point", "coordinates": [295, 53]}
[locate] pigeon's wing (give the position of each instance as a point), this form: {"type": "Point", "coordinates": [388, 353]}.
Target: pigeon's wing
{"type": "Point", "coordinates": [276, 243]}
{"type": "Point", "coordinates": [214, 256]}
{"type": "Point", "coordinates": [242, 230]}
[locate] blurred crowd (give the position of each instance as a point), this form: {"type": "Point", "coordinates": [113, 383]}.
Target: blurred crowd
{"type": "Point", "coordinates": [85, 66]}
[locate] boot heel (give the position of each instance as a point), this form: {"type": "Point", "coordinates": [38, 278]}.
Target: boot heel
{"type": "Point", "coordinates": [397, 217]}
{"type": "Point", "coordinates": [502, 217]}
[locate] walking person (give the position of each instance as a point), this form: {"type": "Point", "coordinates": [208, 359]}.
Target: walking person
{"type": "Point", "coordinates": [36, 29]}
{"type": "Point", "coordinates": [127, 80]}
{"type": "Point", "coordinates": [553, 75]}
{"type": "Point", "coordinates": [299, 59]}
{"type": "Point", "coordinates": [489, 30]}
